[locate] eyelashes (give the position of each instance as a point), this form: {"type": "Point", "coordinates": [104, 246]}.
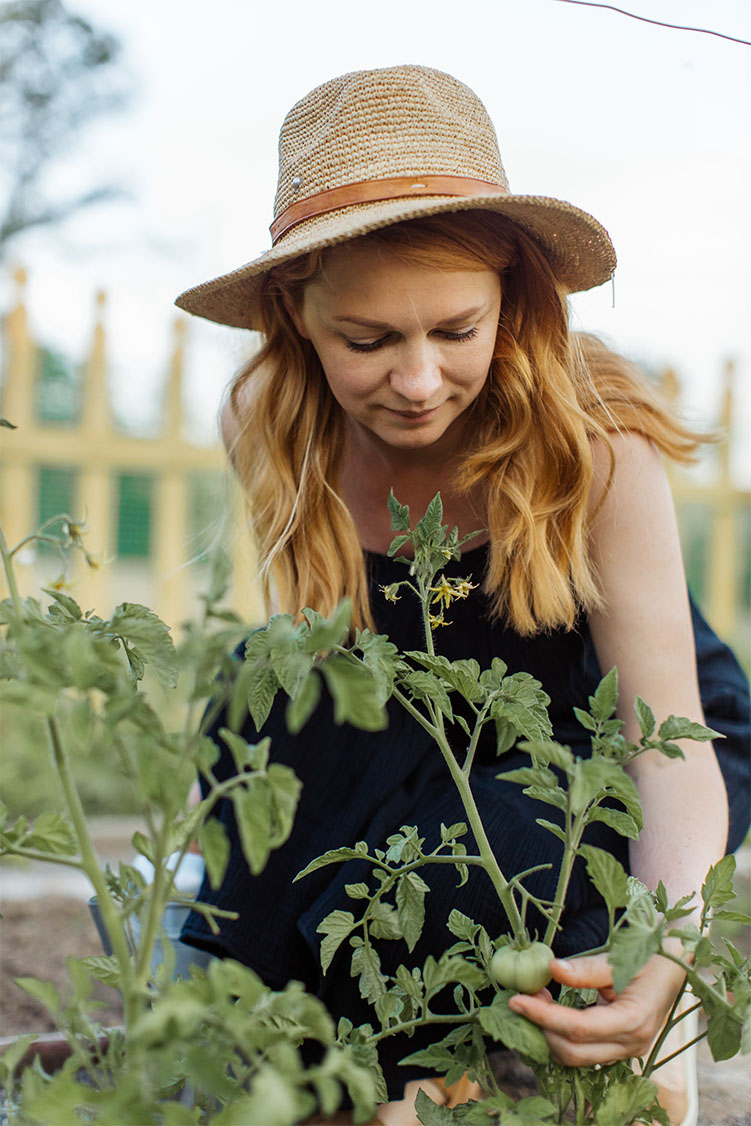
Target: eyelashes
{"type": "Point", "coordinates": [373, 346]}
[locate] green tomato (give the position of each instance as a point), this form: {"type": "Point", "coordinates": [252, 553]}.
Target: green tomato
{"type": "Point", "coordinates": [524, 971]}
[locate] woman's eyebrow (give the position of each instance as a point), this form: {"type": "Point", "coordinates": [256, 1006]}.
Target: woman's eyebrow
{"type": "Point", "coordinates": [458, 318]}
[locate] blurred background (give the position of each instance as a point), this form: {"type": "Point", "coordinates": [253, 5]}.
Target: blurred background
{"type": "Point", "coordinates": [138, 157]}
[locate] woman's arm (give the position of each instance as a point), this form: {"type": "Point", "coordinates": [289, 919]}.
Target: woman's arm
{"type": "Point", "coordinates": [644, 628]}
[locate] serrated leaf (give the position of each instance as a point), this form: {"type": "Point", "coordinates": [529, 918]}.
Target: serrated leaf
{"type": "Point", "coordinates": [634, 943]}
{"type": "Point", "coordinates": [366, 966]}
{"type": "Point", "coordinates": [624, 1099]}
{"type": "Point", "coordinates": [261, 694]}
{"type": "Point", "coordinates": [53, 832]}
{"type": "Point", "coordinates": [384, 921]}
{"type": "Point", "coordinates": [399, 514]}
{"type": "Point", "coordinates": [42, 991]}
{"type": "Point", "coordinates": [284, 793]}
{"type": "Point", "coordinates": [607, 875]}
{"type": "Point", "coordinates": [678, 727]}
{"type": "Point", "coordinates": [104, 968]}
{"type": "Point", "coordinates": [357, 891]}
{"type": "Point", "coordinates": [337, 926]}
{"type": "Point", "coordinates": [215, 849]}
{"type": "Point", "coordinates": [355, 693]}
{"type": "Point", "coordinates": [252, 804]}
{"type": "Point", "coordinates": [514, 1030]}
{"type": "Point", "coordinates": [717, 888]}
{"type": "Point", "coordinates": [645, 716]}
{"type": "Point", "coordinates": [604, 701]}
{"type": "Point", "coordinates": [333, 856]}
{"type": "Point", "coordinates": [302, 705]}
{"type": "Point", "coordinates": [556, 830]}
{"type": "Point", "coordinates": [623, 823]}
{"type": "Point", "coordinates": [150, 638]}
{"type": "Point", "coordinates": [461, 926]}
{"type": "Point", "coordinates": [410, 902]}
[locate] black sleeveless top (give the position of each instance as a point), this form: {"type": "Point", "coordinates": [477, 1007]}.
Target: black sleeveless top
{"type": "Point", "coordinates": [566, 664]}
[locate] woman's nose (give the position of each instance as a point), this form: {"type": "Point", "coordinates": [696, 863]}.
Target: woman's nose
{"type": "Point", "coordinates": [416, 374]}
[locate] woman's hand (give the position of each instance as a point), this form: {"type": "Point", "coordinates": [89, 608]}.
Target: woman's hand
{"type": "Point", "coordinates": [618, 1026]}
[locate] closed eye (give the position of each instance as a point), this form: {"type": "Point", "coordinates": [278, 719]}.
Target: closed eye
{"type": "Point", "coordinates": [374, 345]}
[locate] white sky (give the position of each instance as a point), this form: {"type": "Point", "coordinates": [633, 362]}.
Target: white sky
{"type": "Point", "coordinates": [645, 127]}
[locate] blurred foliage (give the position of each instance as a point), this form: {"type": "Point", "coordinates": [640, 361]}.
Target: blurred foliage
{"type": "Point", "coordinates": [56, 76]}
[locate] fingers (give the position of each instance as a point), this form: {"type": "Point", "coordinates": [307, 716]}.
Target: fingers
{"type": "Point", "coordinates": [592, 972]}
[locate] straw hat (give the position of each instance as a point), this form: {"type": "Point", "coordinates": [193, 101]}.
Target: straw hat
{"type": "Point", "coordinates": [376, 147]}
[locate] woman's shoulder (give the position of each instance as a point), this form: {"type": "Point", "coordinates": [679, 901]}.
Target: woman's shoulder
{"type": "Point", "coordinates": [627, 468]}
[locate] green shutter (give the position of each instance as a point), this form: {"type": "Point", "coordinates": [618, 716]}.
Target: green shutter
{"type": "Point", "coordinates": [134, 503]}
{"type": "Point", "coordinates": [56, 493]}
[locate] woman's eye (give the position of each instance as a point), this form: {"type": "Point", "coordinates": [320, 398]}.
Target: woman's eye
{"type": "Point", "coordinates": [459, 336]}
{"type": "Point", "coordinates": [374, 345]}
{"type": "Point", "coordinates": [370, 346]}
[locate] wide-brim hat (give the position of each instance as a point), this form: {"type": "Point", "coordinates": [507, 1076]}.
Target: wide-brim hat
{"type": "Point", "coordinates": [377, 147]}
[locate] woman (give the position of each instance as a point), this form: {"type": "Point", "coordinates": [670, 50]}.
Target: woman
{"type": "Point", "coordinates": [414, 314]}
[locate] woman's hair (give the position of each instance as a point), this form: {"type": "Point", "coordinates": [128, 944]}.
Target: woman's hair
{"type": "Point", "coordinates": [549, 393]}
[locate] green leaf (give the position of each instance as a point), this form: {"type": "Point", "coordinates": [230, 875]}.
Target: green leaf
{"type": "Point", "coordinates": [215, 848]}
{"type": "Point", "coordinates": [514, 1030]}
{"type": "Point", "coordinates": [105, 968]}
{"type": "Point", "coordinates": [53, 832]}
{"type": "Point", "coordinates": [678, 727]}
{"type": "Point", "coordinates": [333, 856]}
{"type": "Point", "coordinates": [634, 943]}
{"type": "Point", "coordinates": [424, 685]}
{"type": "Point", "coordinates": [220, 573]}
{"type": "Point", "coordinates": [42, 991]}
{"type": "Point", "coordinates": [336, 927]}
{"type": "Point", "coordinates": [284, 790]}
{"type": "Point", "coordinates": [255, 755]}
{"type": "Point", "coordinates": [366, 965]}
{"type": "Point", "coordinates": [380, 655]}
{"type": "Point", "coordinates": [399, 514]}
{"type": "Point", "coordinates": [14, 1053]}
{"type": "Point", "coordinates": [461, 926]}
{"type": "Point", "coordinates": [384, 920]}
{"type": "Point", "coordinates": [356, 695]}
{"type": "Point", "coordinates": [149, 637]}
{"type": "Point", "coordinates": [261, 694]}
{"type": "Point", "coordinates": [302, 705]}
{"type": "Point", "coordinates": [645, 716]}
{"type": "Point", "coordinates": [717, 888]}
{"type": "Point", "coordinates": [625, 1098]}
{"type": "Point", "coordinates": [410, 902]}
{"type": "Point", "coordinates": [607, 875]}
{"type": "Point", "coordinates": [605, 698]}
{"type": "Point", "coordinates": [252, 805]}
{"type": "Point", "coordinates": [430, 523]}
{"type": "Point", "coordinates": [556, 830]}
{"type": "Point", "coordinates": [430, 1113]}
{"type": "Point", "coordinates": [357, 891]}
{"type": "Point", "coordinates": [623, 823]}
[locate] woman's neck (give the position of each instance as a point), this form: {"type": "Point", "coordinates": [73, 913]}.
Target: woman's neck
{"type": "Point", "coordinates": [370, 470]}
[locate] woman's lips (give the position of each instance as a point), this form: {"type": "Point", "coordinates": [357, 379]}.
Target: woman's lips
{"type": "Point", "coordinates": [413, 416]}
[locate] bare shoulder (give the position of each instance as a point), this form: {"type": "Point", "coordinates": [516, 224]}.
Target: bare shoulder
{"type": "Point", "coordinates": [628, 473]}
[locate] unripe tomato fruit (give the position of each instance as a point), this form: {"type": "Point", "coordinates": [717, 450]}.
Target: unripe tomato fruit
{"type": "Point", "coordinates": [524, 971]}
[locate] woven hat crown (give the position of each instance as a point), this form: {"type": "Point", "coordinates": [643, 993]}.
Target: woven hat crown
{"type": "Point", "coordinates": [376, 124]}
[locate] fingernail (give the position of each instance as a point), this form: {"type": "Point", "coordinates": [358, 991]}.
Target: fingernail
{"type": "Point", "coordinates": [562, 964]}
{"type": "Point", "coordinates": [514, 1004]}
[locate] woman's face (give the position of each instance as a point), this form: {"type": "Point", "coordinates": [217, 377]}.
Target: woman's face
{"type": "Point", "coordinates": [405, 348]}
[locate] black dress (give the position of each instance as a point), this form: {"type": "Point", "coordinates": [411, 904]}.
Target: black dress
{"type": "Point", "coordinates": [364, 785]}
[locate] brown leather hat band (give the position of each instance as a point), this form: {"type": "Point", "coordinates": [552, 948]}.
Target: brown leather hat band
{"type": "Point", "coordinates": [369, 191]}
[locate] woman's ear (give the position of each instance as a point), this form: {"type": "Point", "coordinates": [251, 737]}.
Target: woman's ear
{"type": "Point", "coordinates": [294, 312]}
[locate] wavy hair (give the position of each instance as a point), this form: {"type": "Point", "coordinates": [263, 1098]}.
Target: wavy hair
{"type": "Point", "coordinates": [548, 395]}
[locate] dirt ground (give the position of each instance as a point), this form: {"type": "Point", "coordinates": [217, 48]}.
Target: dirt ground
{"type": "Point", "coordinates": [37, 935]}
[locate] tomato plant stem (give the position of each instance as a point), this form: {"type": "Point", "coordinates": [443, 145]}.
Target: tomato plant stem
{"type": "Point", "coordinates": [90, 865]}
